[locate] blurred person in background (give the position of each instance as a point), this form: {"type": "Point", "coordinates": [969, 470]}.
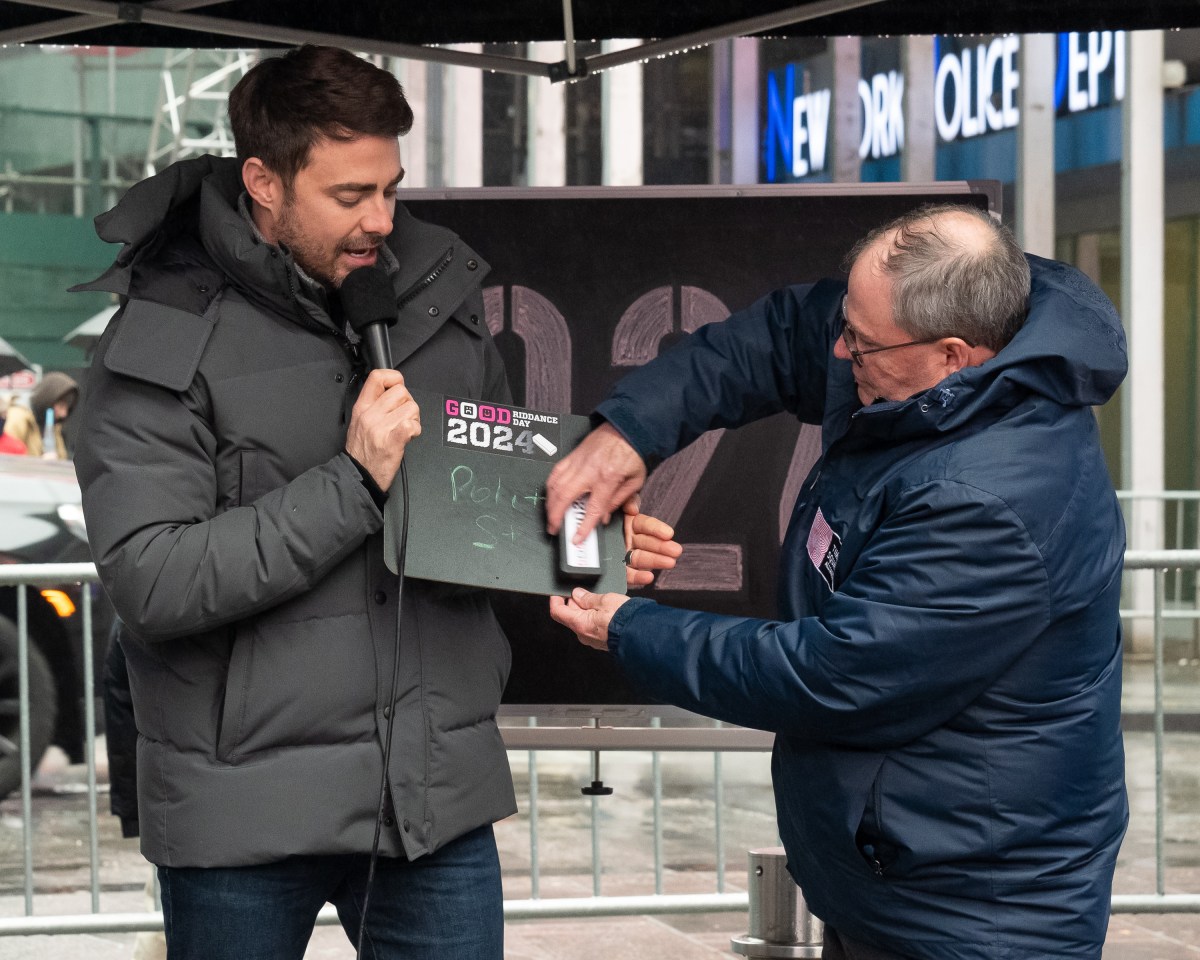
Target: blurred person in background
{"type": "Point", "coordinates": [8, 444]}
{"type": "Point", "coordinates": [57, 392]}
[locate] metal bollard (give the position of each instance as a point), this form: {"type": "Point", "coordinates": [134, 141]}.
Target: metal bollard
{"type": "Point", "coordinates": [780, 922]}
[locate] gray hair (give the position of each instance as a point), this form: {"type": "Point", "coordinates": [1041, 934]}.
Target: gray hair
{"type": "Point", "coordinates": [945, 285]}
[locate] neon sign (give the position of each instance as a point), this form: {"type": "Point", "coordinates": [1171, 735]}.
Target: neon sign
{"type": "Point", "coordinates": [975, 93]}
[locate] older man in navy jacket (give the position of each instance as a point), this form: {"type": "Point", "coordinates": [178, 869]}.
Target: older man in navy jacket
{"type": "Point", "coordinates": [944, 677]}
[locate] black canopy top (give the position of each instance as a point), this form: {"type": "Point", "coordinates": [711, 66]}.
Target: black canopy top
{"type": "Point", "coordinates": [390, 27]}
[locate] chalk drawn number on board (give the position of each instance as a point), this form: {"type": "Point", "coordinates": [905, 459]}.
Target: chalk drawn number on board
{"type": "Point", "coordinates": [651, 317]}
{"type": "Point", "coordinates": [636, 341]}
{"type": "Point", "coordinates": [547, 338]}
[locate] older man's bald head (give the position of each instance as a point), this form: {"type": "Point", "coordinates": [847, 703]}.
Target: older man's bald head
{"type": "Point", "coordinates": [954, 271]}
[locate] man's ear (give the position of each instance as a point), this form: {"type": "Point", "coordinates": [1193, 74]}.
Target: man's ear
{"type": "Point", "coordinates": [956, 354]}
{"type": "Point", "coordinates": [263, 185]}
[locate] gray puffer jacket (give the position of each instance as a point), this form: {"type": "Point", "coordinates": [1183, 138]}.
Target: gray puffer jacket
{"type": "Point", "coordinates": [240, 546]}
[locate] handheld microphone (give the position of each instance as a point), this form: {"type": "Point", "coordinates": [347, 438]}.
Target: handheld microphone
{"type": "Point", "coordinates": [369, 305]}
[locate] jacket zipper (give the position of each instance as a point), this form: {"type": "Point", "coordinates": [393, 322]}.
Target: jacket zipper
{"type": "Point", "coordinates": [424, 283]}
{"type": "Point", "coordinates": [876, 865]}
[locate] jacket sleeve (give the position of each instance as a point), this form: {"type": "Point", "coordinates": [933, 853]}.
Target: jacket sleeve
{"type": "Point", "coordinates": [120, 735]}
{"type": "Point", "coordinates": [770, 357]}
{"type": "Point", "coordinates": [172, 564]}
{"type": "Point", "coordinates": [947, 595]}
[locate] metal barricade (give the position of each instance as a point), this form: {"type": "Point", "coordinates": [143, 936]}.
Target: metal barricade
{"type": "Point", "coordinates": [530, 741]}
{"type": "Point", "coordinates": [1170, 520]}
{"type": "Point", "coordinates": [22, 576]}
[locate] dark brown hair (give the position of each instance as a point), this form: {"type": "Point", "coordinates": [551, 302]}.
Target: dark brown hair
{"type": "Point", "coordinates": [285, 104]}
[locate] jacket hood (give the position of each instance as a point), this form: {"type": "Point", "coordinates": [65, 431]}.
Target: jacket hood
{"type": "Point", "coordinates": [1071, 350]}
{"type": "Point", "coordinates": [198, 198]}
{"type": "Point", "coordinates": [140, 218]}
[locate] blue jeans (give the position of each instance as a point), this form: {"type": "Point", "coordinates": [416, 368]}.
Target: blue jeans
{"type": "Point", "coordinates": [446, 906]}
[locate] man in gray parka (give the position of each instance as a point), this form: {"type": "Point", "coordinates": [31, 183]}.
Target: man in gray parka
{"type": "Point", "coordinates": [234, 461]}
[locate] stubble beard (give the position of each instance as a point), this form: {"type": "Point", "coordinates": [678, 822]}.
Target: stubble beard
{"type": "Point", "coordinates": [290, 233]}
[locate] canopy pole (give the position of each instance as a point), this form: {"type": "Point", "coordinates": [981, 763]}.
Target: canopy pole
{"type": "Point", "coordinates": [569, 35]}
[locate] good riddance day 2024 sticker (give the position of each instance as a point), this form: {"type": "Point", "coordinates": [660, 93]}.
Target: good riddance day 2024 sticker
{"type": "Point", "coordinates": [506, 431]}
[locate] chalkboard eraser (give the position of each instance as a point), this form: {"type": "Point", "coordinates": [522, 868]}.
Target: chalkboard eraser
{"type": "Point", "coordinates": [578, 559]}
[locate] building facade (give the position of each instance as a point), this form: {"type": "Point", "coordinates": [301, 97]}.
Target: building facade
{"type": "Point", "coordinates": [770, 111]}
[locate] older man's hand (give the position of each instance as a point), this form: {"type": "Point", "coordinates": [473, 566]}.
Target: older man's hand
{"type": "Point", "coordinates": [587, 615]}
{"type": "Point", "coordinates": [604, 466]}
{"type": "Point", "coordinates": [649, 545]}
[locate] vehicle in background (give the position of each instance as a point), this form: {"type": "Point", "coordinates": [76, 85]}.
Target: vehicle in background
{"type": "Point", "coordinates": [41, 521]}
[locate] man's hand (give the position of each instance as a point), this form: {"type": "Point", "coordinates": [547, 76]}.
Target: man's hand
{"type": "Point", "coordinates": [650, 545]}
{"type": "Point", "coordinates": [603, 465]}
{"type": "Point", "coordinates": [385, 417]}
{"type": "Point", "coordinates": [587, 614]}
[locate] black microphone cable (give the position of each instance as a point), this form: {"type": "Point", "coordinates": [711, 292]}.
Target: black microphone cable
{"type": "Point", "coordinates": [369, 305]}
{"type": "Point", "coordinates": [391, 716]}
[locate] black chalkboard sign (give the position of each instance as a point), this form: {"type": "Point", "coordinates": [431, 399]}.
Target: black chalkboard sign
{"type": "Point", "coordinates": [477, 488]}
{"type": "Point", "coordinates": [588, 283]}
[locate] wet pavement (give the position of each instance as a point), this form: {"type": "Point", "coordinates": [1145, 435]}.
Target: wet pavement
{"type": "Point", "coordinates": [625, 839]}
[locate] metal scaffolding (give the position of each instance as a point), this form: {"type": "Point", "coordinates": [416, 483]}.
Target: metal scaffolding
{"type": "Point", "coordinates": [195, 102]}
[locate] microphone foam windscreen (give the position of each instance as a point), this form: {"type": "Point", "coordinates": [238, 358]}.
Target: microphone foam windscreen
{"type": "Point", "coordinates": [367, 297]}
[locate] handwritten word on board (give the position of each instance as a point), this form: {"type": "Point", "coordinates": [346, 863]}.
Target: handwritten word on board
{"type": "Point", "coordinates": [477, 492]}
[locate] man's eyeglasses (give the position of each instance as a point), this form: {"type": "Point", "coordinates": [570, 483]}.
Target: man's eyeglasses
{"type": "Point", "coordinates": [851, 341]}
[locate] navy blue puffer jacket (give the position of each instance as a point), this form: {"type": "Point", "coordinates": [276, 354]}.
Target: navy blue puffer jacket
{"type": "Point", "coordinates": [945, 673]}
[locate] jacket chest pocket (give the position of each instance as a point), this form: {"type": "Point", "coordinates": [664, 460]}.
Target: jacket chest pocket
{"type": "Point", "coordinates": [259, 473]}
{"type": "Point", "coordinates": [251, 484]}
{"type": "Point", "coordinates": [278, 423]}
{"type": "Point", "coordinates": [247, 475]}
